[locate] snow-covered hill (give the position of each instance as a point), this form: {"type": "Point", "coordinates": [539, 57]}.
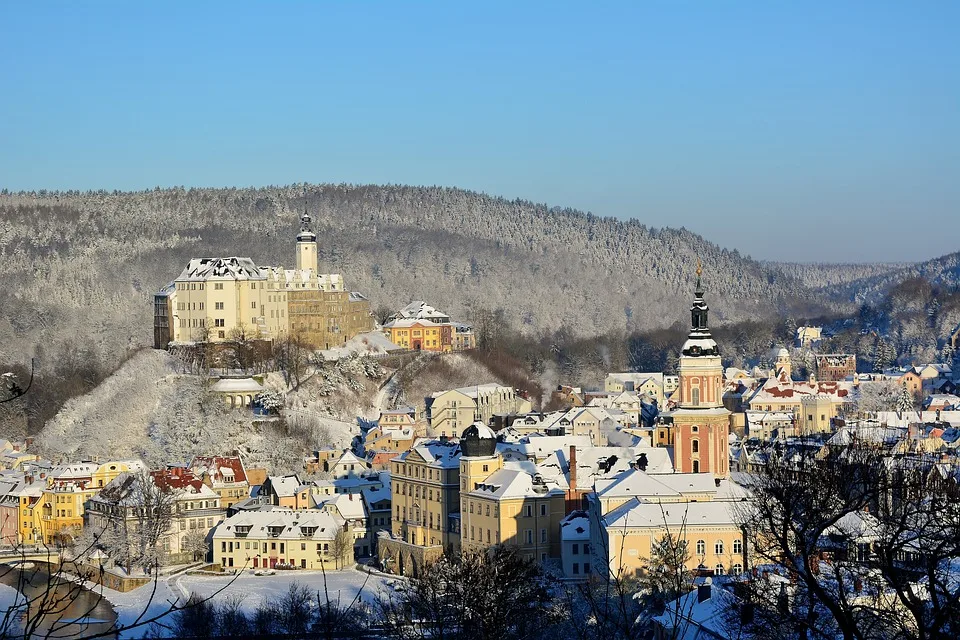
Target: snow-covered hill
{"type": "Point", "coordinates": [148, 409]}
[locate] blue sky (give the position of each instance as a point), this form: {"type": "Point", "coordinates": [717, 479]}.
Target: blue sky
{"type": "Point", "coordinates": [802, 131]}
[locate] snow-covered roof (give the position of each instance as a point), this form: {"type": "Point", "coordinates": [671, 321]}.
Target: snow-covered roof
{"type": "Point", "coordinates": [436, 453]}
{"type": "Point", "coordinates": [637, 513]}
{"type": "Point", "coordinates": [313, 524]}
{"type": "Point", "coordinates": [507, 484]}
{"type": "Point", "coordinates": [284, 486]}
{"type": "Point", "coordinates": [232, 268]}
{"type": "Point", "coordinates": [236, 385]}
{"type": "Point", "coordinates": [575, 527]}
{"type": "Point", "coordinates": [655, 486]}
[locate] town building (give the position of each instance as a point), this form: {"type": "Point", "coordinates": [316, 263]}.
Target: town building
{"type": "Point", "coordinates": [449, 412]}
{"type": "Point", "coordinates": [833, 367]}
{"type": "Point", "coordinates": [180, 496]}
{"type": "Point", "coordinates": [503, 505]}
{"type": "Point", "coordinates": [225, 299]}
{"type": "Point", "coordinates": [264, 539]}
{"type": "Point", "coordinates": [224, 474]}
{"type": "Point", "coordinates": [631, 512]}
{"type": "Point", "coordinates": [425, 496]}
{"type": "Point", "coordinates": [421, 327]}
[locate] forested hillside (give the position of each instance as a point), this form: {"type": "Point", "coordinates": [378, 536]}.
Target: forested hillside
{"type": "Point", "coordinates": [80, 269]}
{"type": "Point", "coordinates": [82, 266]}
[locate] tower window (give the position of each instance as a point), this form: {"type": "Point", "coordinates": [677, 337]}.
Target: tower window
{"type": "Point", "coordinates": [695, 446]}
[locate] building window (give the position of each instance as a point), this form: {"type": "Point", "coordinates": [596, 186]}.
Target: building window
{"type": "Point", "coordinates": [738, 546]}
{"type": "Point", "coordinates": [528, 511]}
{"type": "Point", "coordinates": [736, 569]}
{"type": "Point", "coordinates": [218, 286]}
{"type": "Point", "coordinates": [543, 536]}
{"type": "Point", "coordinates": [695, 446]}
{"type": "Point", "coordinates": [701, 547]}
{"type": "Point", "coordinates": [576, 549]}
{"type": "Point", "coordinates": [218, 306]}
{"type": "Point", "coordinates": [718, 570]}
{"type": "Point", "coordinates": [718, 547]}
{"type": "Point", "coordinates": [529, 536]}
{"type": "Point", "coordinates": [576, 568]}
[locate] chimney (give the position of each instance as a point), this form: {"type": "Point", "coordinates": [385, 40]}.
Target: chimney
{"type": "Point", "coordinates": [43, 475]}
{"type": "Point", "coordinates": [351, 497]}
{"type": "Point", "coordinates": [642, 462]}
{"type": "Point", "coordinates": [703, 591]}
{"type": "Point", "coordinates": [572, 461]}
{"type": "Point", "coordinates": [28, 479]}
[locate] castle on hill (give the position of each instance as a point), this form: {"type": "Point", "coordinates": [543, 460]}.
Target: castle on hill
{"type": "Point", "coordinates": [221, 299]}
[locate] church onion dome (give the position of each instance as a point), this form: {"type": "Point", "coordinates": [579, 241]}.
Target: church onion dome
{"type": "Point", "coordinates": [478, 441]}
{"type": "Point", "coordinates": [700, 342]}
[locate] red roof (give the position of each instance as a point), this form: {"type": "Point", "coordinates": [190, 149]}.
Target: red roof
{"type": "Point", "coordinates": [176, 478]}
{"type": "Point", "coordinates": [212, 465]}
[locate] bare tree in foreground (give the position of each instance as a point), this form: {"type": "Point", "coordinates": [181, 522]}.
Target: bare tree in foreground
{"type": "Point", "coordinates": [869, 543]}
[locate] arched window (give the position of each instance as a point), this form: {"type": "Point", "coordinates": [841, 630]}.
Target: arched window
{"type": "Point", "coordinates": [718, 570]}
{"type": "Point", "coordinates": [695, 395]}
{"type": "Point", "coordinates": [696, 466]}
{"type": "Point", "coordinates": [718, 547]}
{"type": "Point", "coordinates": [701, 547]}
{"type": "Point", "coordinates": [738, 546]}
{"type": "Point", "coordinates": [695, 446]}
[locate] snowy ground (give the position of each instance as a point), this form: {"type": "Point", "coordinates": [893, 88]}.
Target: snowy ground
{"type": "Point", "coordinates": [342, 586]}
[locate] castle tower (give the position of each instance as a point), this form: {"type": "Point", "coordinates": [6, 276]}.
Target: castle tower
{"type": "Point", "coordinates": [306, 245]}
{"type": "Point", "coordinates": [478, 460]}
{"type": "Point", "coordinates": [701, 423]}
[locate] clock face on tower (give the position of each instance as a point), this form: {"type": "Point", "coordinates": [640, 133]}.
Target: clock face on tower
{"type": "Point", "coordinates": [694, 351]}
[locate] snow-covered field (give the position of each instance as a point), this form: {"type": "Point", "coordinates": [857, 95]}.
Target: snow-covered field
{"type": "Point", "coordinates": [342, 586]}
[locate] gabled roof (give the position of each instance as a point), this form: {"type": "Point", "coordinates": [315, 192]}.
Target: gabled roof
{"type": "Point", "coordinates": [284, 486]}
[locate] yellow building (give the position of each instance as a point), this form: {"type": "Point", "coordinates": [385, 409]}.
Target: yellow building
{"type": "Point", "coordinates": [425, 494]}
{"type": "Point", "coordinates": [265, 539]}
{"type": "Point", "coordinates": [226, 475]}
{"type": "Point", "coordinates": [222, 299]}
{"type": "Point", "coordinates": [420, 327]}
{"type": "Point", "coordinates": [449, 412]}
{"type": "Point", "coordinates": [631, 512]}
{"type": "Point", "coordinates": [505, 506]}
{"type": "Point", "coordinates": [68, 488]}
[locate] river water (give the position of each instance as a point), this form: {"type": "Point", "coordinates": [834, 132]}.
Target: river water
{"type": "Point", "coordinates": [74, 611]}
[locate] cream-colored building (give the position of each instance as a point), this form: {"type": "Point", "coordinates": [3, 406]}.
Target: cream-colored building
{"type": "Point", "coordinates": [425, 496]}
{"type": "Point", "coordinates": [264, 539]}
{"type": "Point", "coordinates": [221, 299]}
{"type": "Point", "coordinates": [193, 507]}
{"type": "Point", "coordinates": [630, 513]}
{"type": "Point", "coordinates": [505, 506]}
{"type": "Point", "coordinates": [656, 385]}
{"type": "Point", "coordinates": [449, 412]}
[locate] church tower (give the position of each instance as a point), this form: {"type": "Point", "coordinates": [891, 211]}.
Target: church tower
{"type": "Point", "coordinates": [701, 423]}
{"type": "Point", "coordinates": [306, 245]}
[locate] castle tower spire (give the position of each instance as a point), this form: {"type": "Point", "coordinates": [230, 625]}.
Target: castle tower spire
{"type": "Point", "coordinates": [306, 244]}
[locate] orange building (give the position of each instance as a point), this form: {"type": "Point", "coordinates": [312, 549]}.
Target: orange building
{"type": "Point", "coordinates": [699, 427]}
{"type": "Point", "coordinates": [420, 335]}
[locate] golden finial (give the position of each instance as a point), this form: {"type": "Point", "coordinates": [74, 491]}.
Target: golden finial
{"type": "Point", "coordinates": [699, 268]}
